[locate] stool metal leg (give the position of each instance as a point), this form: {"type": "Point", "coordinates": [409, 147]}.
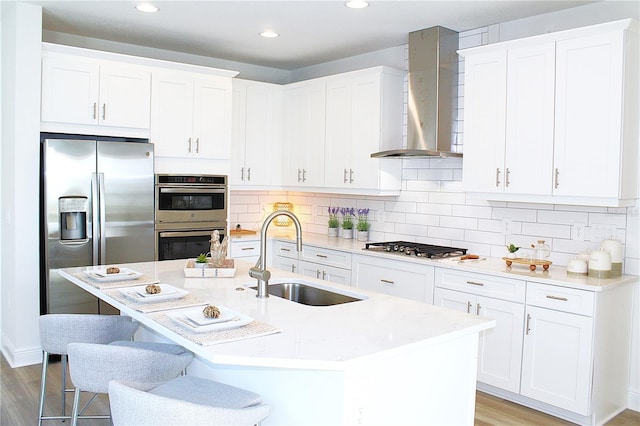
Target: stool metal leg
{"type": "Point", "coordinates": [64, 384]}
{"type": "Point", "coordinates": [43, 386]}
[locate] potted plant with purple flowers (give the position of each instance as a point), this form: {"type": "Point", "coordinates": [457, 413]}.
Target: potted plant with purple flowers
{"type": "Point", "coordinates": [347, 222]}
{"type": "Point", "coordinates": [333, 221]}
{"type": "Point", "coordinates": [363, 224]}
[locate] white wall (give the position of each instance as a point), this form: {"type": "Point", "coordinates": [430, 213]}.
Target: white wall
{"type": "Point", "coordinates": [19, 280]}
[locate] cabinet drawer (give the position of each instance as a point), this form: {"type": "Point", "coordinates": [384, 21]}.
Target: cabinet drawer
{"type": "Point", "coordinates": [335, 258]}
{"type": "Point", "coordinates": [240, 249]}
{"type": "Point", "coordinates": [285, 249]}
{"type": "Point", "coordinates": [480, 284]}
{"type": "Point", "coordinates": [561, 298]}
{"type": "Point", "coordinates": [399, 279]}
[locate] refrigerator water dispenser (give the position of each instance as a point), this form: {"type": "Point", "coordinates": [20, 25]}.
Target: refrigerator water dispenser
{"type": "Point", "coordinates": [73, 218]}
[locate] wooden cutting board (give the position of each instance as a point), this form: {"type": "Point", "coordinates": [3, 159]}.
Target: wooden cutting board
{"type": "Point", "coordinates": [238, 232]}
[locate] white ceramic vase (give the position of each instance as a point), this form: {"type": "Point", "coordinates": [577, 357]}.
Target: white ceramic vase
{"type": "Point", "coordinates": [363, 235]}
{"type": "Point", "coordinates": [347, 234]}
{"type": "Point", "coordinates": [332, 232]}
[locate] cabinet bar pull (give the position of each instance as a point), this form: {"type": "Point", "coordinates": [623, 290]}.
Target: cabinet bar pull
{"type": "Point", "coordinates": [304, 175]}
{"type": "Point", "coordinates": [497, 177]}
{"type": "Point", "coordinates": [321, 256]}
{"type": "Point", "coordinates": [293, 268]}
{"type": "Point", "coordinates": [388, 281]}
{"type": "Point", "coordinates": [95, 110]}
{"type": "Point", "coordinates": [242, 174]}
{"type": "Point", "coordinates": [299, 180]}
{"type": "Point", "coordinates": [562, 299]}
{"type": "Point", "coordinates": [478, 309]}
{"type": "Point", "coordinates": [344, 176]}
{"type": "Point", "coordinates": [468, 307]}
{"type": "Point", "coordinates": [284, 249]}
{"type": "Point", "coordinates": [104, 111]}
{"type": "Point", "coordinates": [556, 178]}
{"type": "Point", "coordinates": [507, 182]}
{"type": "Point", "coordinates": [475, 283]}
{"type": "Point", "coordinates": [318, 273]}
{"type": "Point", "coordinates": [189, 147]}
{"type": "Point", "coordinates": [197, 145]}
{"type": "Point", "coordinates": [248, 248]}
{"type": "Point", "coordinates": [324, 276]}
{"type": "Point", "coordinates": [350, 175]}
{"type": "Point", "coordinates": [527, 329]}
{"type": "Point", "coordinates": [249, 174]}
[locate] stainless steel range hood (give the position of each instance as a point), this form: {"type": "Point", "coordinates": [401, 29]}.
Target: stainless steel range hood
{"type": "Point", "coordinates": [433, 84]}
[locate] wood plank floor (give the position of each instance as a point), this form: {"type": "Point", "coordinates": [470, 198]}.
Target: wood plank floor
{"type": "Point", "coordinates": [20, 388]}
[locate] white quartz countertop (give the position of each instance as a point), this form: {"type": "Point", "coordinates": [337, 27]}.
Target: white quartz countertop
{"type": "Point", "coordinates": [556, 275]}
{"type": "Point", "coordinates": [312, 337]}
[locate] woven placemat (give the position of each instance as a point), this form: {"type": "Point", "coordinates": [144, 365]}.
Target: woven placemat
{"type": "Point", "coordinates": [249, 331]}
{"type": "Point", "coordinates": [142, 280]}
{"type": "Point", "coordinates": [183, 302]}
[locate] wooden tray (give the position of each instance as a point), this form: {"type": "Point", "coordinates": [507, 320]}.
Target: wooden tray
{"type": "Point", "coordinates": [237, 232]}
{"type": "Point", "coordinates": [532, 263]}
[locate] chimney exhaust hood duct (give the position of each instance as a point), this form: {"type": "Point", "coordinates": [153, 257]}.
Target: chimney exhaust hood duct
{"type": "Point", "coordinates": [433, 84]}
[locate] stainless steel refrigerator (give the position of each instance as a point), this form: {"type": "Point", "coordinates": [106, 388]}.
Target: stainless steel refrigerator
{"type": "Point", "coordinates": [96, 208]}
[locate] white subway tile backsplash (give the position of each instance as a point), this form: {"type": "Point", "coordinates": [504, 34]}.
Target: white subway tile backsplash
{"type": "Point", "coordinates": [562, 217]}
{"type": "Point", "coordinates": [523, 215]}
{"type": "Point", "coordinates": [434, 209]}
{"type": "Point", "coordinates": [435, 174]}
{"type": "Point", "coordinates": [446, 233]}
{"type": "Point", "coordinates": [472, 211]}
{"type": "Point", "coordinates": [422, 186]}
{"type": "Point", "coordinates": [447, 198]}
{"type": "Point", "coordinates": [546, 230]}
{"type": "Point", "coordinates": [422, 219]}
{"type": "Point", "coordinates": [459, 222]}
{"type": "Point", "coordinates": [483, 237]}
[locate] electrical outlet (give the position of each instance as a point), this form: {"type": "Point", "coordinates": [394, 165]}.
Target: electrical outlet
{"type": "Point", "coordinates": [577, 232]}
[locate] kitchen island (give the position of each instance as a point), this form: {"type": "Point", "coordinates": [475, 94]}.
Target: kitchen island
{"type": "Point", "coordinates": [381, 360]}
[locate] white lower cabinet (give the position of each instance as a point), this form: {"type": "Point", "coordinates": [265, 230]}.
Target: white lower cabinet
{"type": "Point", "coordinates": [324, 272]}
{"type": "Point", "coordinates": [394, 277]}
{"type": "Point", "coordinates": [500, 349]}
{"type": "Point", "coordinates": [248, 250]}
{"type": "Point", "coordinates": [325, 264]}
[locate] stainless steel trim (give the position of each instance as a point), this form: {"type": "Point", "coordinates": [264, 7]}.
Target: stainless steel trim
{"type": "Point", "coordinates": [178, 234]}
{"type": "Point", "coordinates": [103, 220]}
{"type": "Point", "coordinates": [190, 190]}
{"type": "Point", "coordinates": [95, 222]}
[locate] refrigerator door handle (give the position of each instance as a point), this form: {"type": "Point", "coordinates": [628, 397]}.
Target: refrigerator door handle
{"type": "Point", "coordinates": [74, 242]}
{"type": "Point", "coordinates": [103, 221]}
{"type": "Point", "coordinates": [95, 217]}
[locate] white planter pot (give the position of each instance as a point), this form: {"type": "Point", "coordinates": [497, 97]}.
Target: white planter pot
{"type": "Point", "coordinates": [332, 232]}
{"type": "Point", "coordinates": [347, 233]}
{"type": "Point", "coordinates": [363, 235]}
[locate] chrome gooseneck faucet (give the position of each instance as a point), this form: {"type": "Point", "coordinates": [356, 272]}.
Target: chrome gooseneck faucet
{"type": "Point", "coordinates": [259, 271]}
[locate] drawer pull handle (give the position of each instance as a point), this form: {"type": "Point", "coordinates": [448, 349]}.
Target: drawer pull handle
{"type": "Point", "coordinates": [478, 309]}
{"type": "Point", "coordinates": [527, 325]}
{"type": "Point", "coordinates": [321, 256]}
{"type": "Point", "coordinates": [468, 307]}
{"type": "Point", "coordinates": [475, 283]}
{"type": "Point", "coordinates": [388, 281]}
{"type": "Point", "coordinates": [563, 299]}
{"type": "Point", "coordinates": [284, 249]}
{"type": "Point", "coordinates": [293, 268]}
{"type": "Point", "coordinates": [248, 248]}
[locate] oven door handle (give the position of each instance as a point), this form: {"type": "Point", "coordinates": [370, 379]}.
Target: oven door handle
{"type": "Point", "coordinates": [178, 234]}
{"type": "Point", "coordinates": [183, 190]}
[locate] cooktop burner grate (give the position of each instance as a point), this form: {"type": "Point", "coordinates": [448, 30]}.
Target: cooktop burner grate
{"type": "Point", "coordinates": [416, 249]}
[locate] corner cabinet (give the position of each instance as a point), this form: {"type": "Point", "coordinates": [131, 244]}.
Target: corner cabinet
{"type": "Point", "coordinates": [257, 118]}
{"type": "Point", "coordinates": [552, 118]}
{"type": "Point", "coordinates": [335, 123]}
{"type": "Point", "coordinates": [191, 115]}
{"type": "Point", "coordinates": [84, 91]}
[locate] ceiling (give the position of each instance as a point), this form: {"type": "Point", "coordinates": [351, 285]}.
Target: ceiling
{"type": "Point", "coordinates": [311, 32]}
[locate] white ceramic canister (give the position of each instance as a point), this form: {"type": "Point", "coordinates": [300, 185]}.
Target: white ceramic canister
{"type": "Point", "coordinates": [577, 267]}
{"type": "Point", "coordinates": [614, 247]}
{"type": "Point", "coordinates": [600, 264]}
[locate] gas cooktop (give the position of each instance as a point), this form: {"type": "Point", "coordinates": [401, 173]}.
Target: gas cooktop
{"type": "Point", "coordinates": [415, 249]}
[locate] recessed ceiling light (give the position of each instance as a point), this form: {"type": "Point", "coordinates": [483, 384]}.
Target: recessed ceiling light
{"type": "Point", "coordinates": [357, 4]}
{"type": "Point", "coordinates": [147, 7]}
{"type": "Point", "coordinates": [269, 34]}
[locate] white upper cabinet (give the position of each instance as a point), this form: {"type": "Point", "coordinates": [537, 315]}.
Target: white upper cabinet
{"type": "Point", "coordinates": [256, 134]}
{"type": "Point", "coordinates": [363, 116]}
{"type": "Point", "coordinates": [92, 92]}
{"type": "Point", "coordinates": [191, 115]}
{"type": "Point", "coordinates": [335, 123]}
{"type": "Point", "coordinates": [551, 118]}
{"type": "Point", "coordinates": [304, 135]}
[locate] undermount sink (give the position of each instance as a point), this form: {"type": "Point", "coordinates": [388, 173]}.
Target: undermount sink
{"type": "Point", "coordinates": [307, 294]}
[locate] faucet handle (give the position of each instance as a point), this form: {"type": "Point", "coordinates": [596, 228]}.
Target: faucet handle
{"type": "Point", "coordinates": [259, 274]}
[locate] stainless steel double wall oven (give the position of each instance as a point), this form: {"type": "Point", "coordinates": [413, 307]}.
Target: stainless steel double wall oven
{"type": "Point", "coordinates": [188, 209]}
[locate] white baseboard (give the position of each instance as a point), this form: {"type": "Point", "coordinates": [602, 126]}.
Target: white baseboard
{"type": "Point", "coordinates": [23, 356]}
{"type": "Point", "coordinates": [633, 400]}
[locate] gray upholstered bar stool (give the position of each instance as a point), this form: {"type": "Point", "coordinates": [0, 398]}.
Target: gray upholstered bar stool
{"type": "Point", "coordinates": [93, 366]}
{"type": "Point", "coordinates": [58, 330]}
{"type": "Point", "coordinates": [186, 400]}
